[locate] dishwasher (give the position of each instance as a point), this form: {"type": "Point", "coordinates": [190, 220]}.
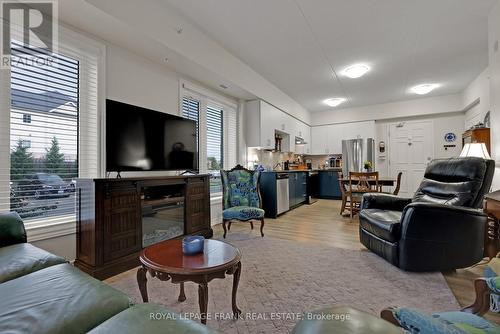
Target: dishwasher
{"type": "Point", "coordinates": [283, 200]}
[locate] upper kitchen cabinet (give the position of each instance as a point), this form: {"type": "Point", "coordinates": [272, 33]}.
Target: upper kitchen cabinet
{"type": "Point", "coordinates": [320, 140]}
{"type": "Point", "coordinates": [304, 132]}
{"type": "Point", "coordinates": [327, 139]}
{"type": "Point", "coordinates": [261, 121]}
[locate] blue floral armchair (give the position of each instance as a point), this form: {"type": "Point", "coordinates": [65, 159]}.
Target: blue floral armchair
{"type": "Point", "coordinates": [241, 200]}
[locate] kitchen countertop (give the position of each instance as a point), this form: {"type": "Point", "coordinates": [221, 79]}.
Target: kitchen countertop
{"type": "Point", "coordinates": [305, 170]}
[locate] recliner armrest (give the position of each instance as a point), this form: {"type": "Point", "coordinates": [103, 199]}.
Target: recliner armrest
{"type": "Point", "coordinates": [436, 221]}
{"type": "Point", "coordinates": [444, 208]}
{"type": "Point", "coordinates": [11, 229]}
{"type": "Point", "coordinates": [384, 202]}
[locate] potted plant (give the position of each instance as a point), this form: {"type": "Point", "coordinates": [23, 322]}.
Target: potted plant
{"type": "Point", "coordinates": [368, 165]}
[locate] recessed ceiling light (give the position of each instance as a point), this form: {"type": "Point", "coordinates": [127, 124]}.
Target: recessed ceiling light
{"type": "Point", "coordinates": [424, 88]}
{"type": "Point", "coordinates": [356, 71]}
{"type": "Point", "coordinates": [333, 102]}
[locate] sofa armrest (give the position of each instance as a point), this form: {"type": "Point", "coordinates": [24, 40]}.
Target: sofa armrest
{"type": "Point", "coordinates": [11, 229]}
{"type": "Point", "coordinates": [384, 202]}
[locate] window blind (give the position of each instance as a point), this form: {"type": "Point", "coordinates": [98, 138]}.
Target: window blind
{"type": "Point", "coordinates": [191, 110]}
{"type": "Point", "coordinates": [53, 123]}
{"type": "Point", "coordinates": [215, 146]}
{"type": "Point", "coordinates": [230, 138]}
{"type": "Point", "coordinates": [44, 151]}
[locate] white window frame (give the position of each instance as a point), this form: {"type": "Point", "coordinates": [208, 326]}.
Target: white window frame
{"type": "Point", "coordinates": [207, 97]}
{"type": "Point", "coordinates": [78, 43]}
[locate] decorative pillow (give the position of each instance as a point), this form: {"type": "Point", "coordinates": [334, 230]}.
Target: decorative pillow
{"type": "Point", "coordinates": [469, 323]}
{"type": "Point", "coordinates": [418, 323]}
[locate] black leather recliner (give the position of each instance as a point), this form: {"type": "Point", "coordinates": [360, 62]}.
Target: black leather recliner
{"type": "Point", "coordinates": [441, 227]}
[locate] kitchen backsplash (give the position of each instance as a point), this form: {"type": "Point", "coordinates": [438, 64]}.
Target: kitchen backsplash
{"type": "Point", "coordinates": [270, 159]}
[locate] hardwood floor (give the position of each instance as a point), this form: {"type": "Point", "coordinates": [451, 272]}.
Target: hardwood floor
{"type": "Point", "coordinates": [321, 223]}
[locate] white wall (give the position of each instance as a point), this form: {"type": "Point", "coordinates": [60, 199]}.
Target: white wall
{"type": "Point", "coordinates": [410, 108]}
{"type": "Point", "coordinates": [442, 124]}
{"type": "Point", "coordinates": [136, 80]}
{"type": "Point", "coordinates": [478, 89]}
{"type": "Point", "coordinates": [494, 66]}
{"type": "Point", "coordinates": [160, 22]}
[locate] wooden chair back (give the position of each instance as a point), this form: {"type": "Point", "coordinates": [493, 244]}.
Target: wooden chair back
{"type": "Point", "coordinates": [398, 184]}
{"type": "Point", "coordinates": [363, 182]}
{"type": "Point", "coordinates": [342, 186]}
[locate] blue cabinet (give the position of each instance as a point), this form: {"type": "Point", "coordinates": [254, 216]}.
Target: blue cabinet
{"type": "Point", "coordinates": [328, 184]}
{"type": "Point", "coordinates": [297, 188]}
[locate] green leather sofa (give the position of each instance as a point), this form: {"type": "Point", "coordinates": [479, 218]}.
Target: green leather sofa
{"type": "Point", "coordinates": [43, 293]}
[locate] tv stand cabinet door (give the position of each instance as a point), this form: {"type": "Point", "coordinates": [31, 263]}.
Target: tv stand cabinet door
{"type": "Point", "coordinates": [198, 207]}
{"type": "Point", "coordinates": [122, 229]}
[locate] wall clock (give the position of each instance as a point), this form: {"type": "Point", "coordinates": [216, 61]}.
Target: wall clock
{"type": "Point", "coordinates": [450, 137]}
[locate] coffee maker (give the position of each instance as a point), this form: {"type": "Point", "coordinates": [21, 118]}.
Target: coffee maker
{"type": "Point", "coordinates": [335, 161]}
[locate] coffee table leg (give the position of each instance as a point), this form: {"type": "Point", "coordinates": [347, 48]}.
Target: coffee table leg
{"type": "Point", "coordinates": [203, 301]}
{"type": "Point", "coordinates": [182, 295]}
{"type": "Point", "coordinates": [142, 282]}
{"type": "Point", "coordinates": [236, 280]}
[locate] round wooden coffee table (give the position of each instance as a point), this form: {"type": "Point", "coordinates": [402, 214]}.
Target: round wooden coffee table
{"type": "Point", "coordinates": [166, 261]}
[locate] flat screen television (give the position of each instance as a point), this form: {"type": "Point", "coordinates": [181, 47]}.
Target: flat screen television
{"type": "Point", "coordinates": [140, 139]}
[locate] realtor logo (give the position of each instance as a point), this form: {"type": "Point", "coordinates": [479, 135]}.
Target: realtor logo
{"type": "Point", "coordinates": [31, 24]}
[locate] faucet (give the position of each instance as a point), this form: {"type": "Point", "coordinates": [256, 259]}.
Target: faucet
{"type": "Point", "coordinates": [277, 165]}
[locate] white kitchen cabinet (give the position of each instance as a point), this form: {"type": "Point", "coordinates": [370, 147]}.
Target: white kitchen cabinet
{"type": "Point", "coordinates": [327, 139]}
{"type": "Point", "coordinates": [261, 120]}
{"type": "Point", "coordinates": [319, 139]}
{"type": "Point", "coordinates": [304, 132]}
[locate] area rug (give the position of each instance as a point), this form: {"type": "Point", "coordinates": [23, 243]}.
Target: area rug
{"type": "Point", "coordinates": [282, 278]}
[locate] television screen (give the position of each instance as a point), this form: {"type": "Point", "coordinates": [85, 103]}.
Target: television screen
{"type": "Point", "coordinates": [140, 139]}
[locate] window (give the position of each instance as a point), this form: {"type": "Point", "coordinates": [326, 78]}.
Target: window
{"type": "Point", "coordinates": [217, 130]}
{"type": "Point", "coordinates": [191, 110]}
{"type": "Point", "coordinates": [215, 146]}
{"type": "Point", "coordinates": [44, 156]}
{"type": "Point", "coordinates": [61, 99]}
{"type": "Point", "coordinates": [25, 143]}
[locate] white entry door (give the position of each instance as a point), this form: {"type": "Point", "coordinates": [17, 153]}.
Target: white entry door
{"type": "Point", "coordinates": [411, 147]}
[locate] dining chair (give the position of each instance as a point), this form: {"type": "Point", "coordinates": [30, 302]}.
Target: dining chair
{"type": "Point", "coordinates": [343, 192]}
{"type": "Point", "coordinates": [359, 184]}
{"type": "Point", "coordinates": [398, 184]}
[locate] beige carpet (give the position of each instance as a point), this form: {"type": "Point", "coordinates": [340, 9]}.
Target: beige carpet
{"type": "Point", "coordinates": [280, 276]}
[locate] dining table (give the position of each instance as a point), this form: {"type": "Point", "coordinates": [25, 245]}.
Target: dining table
{"type": "Point", "coordinates": [382, 182]}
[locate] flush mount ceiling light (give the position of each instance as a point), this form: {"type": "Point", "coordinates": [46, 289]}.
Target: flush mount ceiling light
{"type": "Point", "coordinates": [333, 102]}
{"type": "Point", "coordinates": [424, 88]}
{"type": "Point", "coordinates": [355, 71]}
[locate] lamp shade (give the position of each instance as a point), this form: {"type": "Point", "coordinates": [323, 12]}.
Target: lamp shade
{"type": "Point", "coordinates": [475, 150]}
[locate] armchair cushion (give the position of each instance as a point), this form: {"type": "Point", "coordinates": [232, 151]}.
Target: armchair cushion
{"type": "Point", "coordinates": [21, 259]}
{"type": "Point", "coordinates": [11, 229]}
{"type": "Point", "coordinates": [242, 213]}
{"type": "Point", "coordinates": [384, 201]}
{"type": "Point", "coordinates": [385, 224]}
{"type": "Point", "coordinates": [240, 188]}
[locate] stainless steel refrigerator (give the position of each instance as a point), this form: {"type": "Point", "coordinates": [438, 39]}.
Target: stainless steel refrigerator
{"type": "Point", "coordinates": [355, 152]}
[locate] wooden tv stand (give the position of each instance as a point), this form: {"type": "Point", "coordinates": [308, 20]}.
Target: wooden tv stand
{"type": "Point", "coordinates": [109, 219]}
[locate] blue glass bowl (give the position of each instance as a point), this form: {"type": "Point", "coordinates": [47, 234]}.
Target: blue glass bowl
{"type": "Point", "coordinates": [192, 245]}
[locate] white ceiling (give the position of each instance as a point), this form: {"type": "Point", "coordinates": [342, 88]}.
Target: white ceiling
{"type": "Point", "coordinates": [295, 44]}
